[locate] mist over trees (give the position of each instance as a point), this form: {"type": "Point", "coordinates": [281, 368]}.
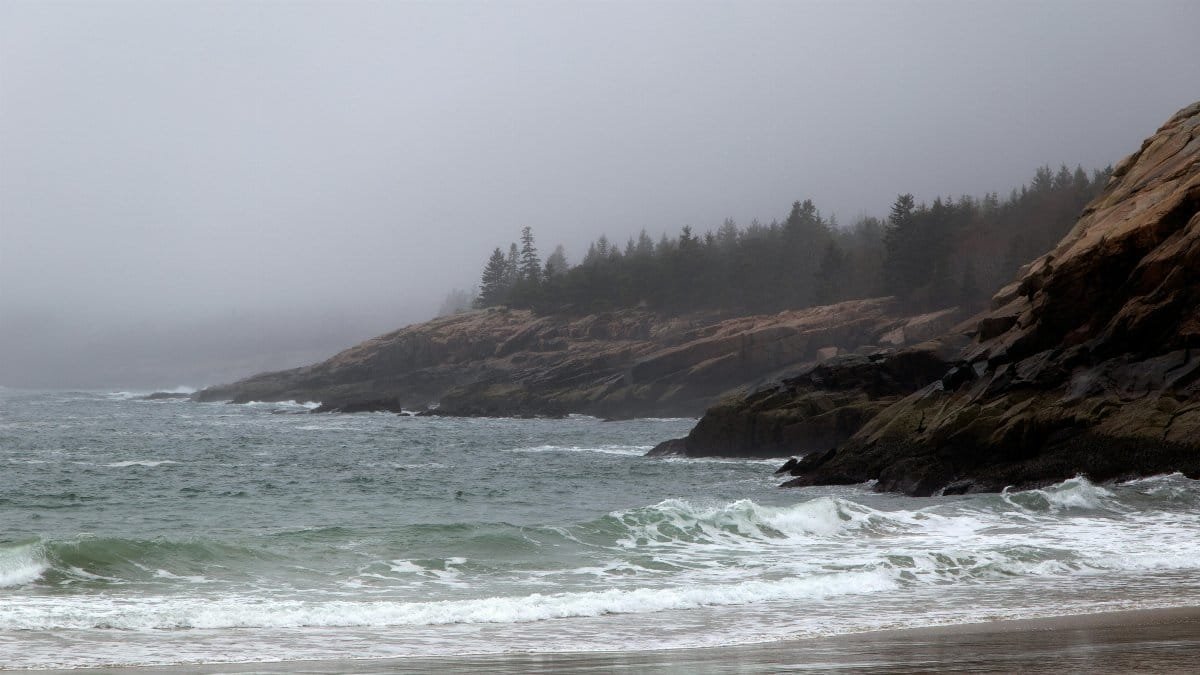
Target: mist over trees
{"type": "Point", "coordinates": [456, 301]}
{"type": "Point", "coordinates": [948, 252]}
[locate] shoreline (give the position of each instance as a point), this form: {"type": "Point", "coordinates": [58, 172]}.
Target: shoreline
{"type": "Point", "coordinates": [1159, 640]}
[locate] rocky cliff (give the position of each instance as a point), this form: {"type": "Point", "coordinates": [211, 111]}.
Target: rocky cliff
{"type": "Point", "coordinates": [619, 364]}
{"type": "Point", "coordinates": [1088, 363]}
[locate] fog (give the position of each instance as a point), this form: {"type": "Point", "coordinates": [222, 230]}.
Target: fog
{"type": "Point", "coordinates": [194, 191]}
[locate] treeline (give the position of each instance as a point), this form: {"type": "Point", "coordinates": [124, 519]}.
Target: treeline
{"type": "Point", "coordinates": [948, 252]}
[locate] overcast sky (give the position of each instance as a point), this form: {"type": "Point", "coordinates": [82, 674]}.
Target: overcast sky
{"type": "Point", "coordinates": [190, 191]}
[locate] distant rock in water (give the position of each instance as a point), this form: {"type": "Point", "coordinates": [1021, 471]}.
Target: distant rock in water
{"type": "Point", "coordinates": [629, 363]}
{"type": "Point", "coordinates": [1088, 364]}
{"type": "Point", "coordinates": [164, 396]}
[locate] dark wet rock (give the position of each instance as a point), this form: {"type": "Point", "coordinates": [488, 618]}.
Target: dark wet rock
{"type": "Point", "coordinates": [820, 408]}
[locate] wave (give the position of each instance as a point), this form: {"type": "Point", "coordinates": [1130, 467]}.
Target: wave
{"type": "Point", "coordinates": [307, 405]}
{"type": "Point", "coordinates": [1071, 528]}
{"type": "Point", "coordinates": [140, 462]}
{"type": "Point", "coordinates": [21, 564]}
{"type": "Point", "coordinates": [115, 560]}
{"type": "Point", "coordinates": [1073, 493]}
{"type": "Point", "coordinates": [128, 395]}
{"type": "Point", "coordinates": [684, 521]}
{"type": "Point", "coordinates": [254, 612]}
{"type": "Point", "coordinates": [627, 450]}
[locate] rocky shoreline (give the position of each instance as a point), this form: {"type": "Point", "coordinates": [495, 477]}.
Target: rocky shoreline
{"type": "Point", "coordinates": [630, 363]}
{"type": "Point", "coordinates": [1089, 363]}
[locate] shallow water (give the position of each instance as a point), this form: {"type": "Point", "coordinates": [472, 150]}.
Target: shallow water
{"type": "Point", "coordinates": [154, 532]}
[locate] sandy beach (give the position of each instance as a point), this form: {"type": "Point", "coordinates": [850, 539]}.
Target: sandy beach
{"type": "Point", "coordinates": [1155, 640]}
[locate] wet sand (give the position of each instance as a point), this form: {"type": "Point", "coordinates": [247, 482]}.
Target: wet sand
{"type": "Point", "coordinates": [1160, 641]}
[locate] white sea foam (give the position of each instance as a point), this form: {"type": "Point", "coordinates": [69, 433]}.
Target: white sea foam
{"type": "Point", "coordinates": [1073, 493]}
{"type": "Point", "coordinates": [627, 450]}
{"type": "Point", "coordinates": [721, 460]}
{"type": "Point", "coordinates": [253, 612]}
{"type": "Point", "coordinates": [141, 462]}
{"type": "Point", "coordinates": [823, 517]}
{"type": "Point", "coordinates": [21, 564]}
{"type": "Point", "coordinates": [193, 578]}
{"type": "Point", "coordinates": [308, 405]}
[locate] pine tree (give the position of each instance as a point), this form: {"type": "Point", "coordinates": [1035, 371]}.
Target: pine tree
{"type": "Point", "coordinates": [493, 286]}
{"type": "Point", "coordinates": [727, 234]}
{"type": "Point", "coordinates": [645, 245]}
{"type": "Point", "coordinates": [831, 276]}
{"type": "Point", "coordinates": [899, 242]}
{"type": "Point", "coordinates": [512, 266]}
{"type": "Point", "coordinates": [531, 265]}
{"type": "Point", "coordinates": [687, 240]}
{"type": "Point", "coordinates": [556, 263]}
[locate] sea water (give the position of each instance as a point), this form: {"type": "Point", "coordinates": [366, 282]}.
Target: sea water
{"type": "Point", "coordinates": [158, 532]}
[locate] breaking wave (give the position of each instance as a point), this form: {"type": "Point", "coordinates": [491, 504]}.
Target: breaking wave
{"type": "Point", "coordinates": [173, 613]}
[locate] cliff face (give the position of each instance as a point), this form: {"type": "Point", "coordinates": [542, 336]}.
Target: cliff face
{"type": "Point", "coordinates": [619, 364]}
{"type": "Point", "coordinates": [1088, 363]}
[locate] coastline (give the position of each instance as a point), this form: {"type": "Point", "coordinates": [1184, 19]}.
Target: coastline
{"type": "Point", "coordinates": [1139, 640]}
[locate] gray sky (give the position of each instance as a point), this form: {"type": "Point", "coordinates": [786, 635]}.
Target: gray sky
{"type": "Point", "coordinates": [191, 191]}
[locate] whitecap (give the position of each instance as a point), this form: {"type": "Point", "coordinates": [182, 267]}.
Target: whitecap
{"type": "Point", "coordinates": [1073, 493]}
{"type": "Point", "coordinates": [21, 564]}
{"type": "Point", "coordinates": [626, 450]}
{"type": "Point", "coordinates": [252, 612]}
{"type": "Point", "coordinates": [308, 405]}
{"type": "Point", "coordinates": [140, 462]}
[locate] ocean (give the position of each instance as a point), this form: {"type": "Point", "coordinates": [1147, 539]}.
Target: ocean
{"type": "Point", "coordinates": [137, 532]}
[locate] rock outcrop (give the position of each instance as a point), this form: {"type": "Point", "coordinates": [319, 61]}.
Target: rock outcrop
{"type": "Point", "coordinates": [817, 409]}
{"type": "Point", "coordinates": [1088, 364]}
{"type": "Point", "coordinates": [620, 364]}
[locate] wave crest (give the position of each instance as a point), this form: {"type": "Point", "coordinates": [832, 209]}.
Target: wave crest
{"type": "Point", "coordinates": [177, 613]}
{"type": "Point", "coordinates": [677, 520]}
{"type": "Point", "coordinates": [1073, 493]}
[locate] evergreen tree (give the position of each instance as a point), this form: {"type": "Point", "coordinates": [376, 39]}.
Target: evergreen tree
{"type": "Point", "coordinates": [687, 240]}
{"type": "Point", "coordinates": [493, 285]}
{"type": "Point", "coordinates": [727, 234]}
{"type": "Point", "coordinates": [645, 245]}
{"type": "Point", "coordinates": [512, 266]}
{"type": "Point", "coordinates": [556, 263]}
{"type": "Point", "coordinates": [929, 256]}
{"type": "Point", "coordinates": [831, 276]}
{"type": "Point", "coordinates": [531, 265]}
{"type": "Point", "coordinates": [899, 240]}
{"type": "Point", "coordinates": [457, 301]}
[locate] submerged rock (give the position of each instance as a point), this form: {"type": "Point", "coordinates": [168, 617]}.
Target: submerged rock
{"type": "Point", "coordinates": [1088, 364]}
{"type": "Point", "coordinates": [164, 396]}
